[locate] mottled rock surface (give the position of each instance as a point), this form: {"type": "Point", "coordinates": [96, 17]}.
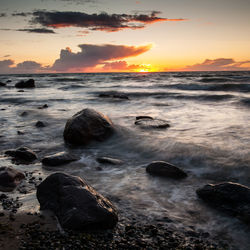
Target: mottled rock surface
{"type": "Point", "coordinates": [77, 205]}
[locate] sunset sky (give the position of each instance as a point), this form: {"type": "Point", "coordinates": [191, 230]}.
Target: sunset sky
{"type": "Point", "coordinates": [124, 35]}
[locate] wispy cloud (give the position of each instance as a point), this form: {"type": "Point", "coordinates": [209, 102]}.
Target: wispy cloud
{"type": "Point", "coordinates": [103, 21]}
{"type": "Point", "coordinates": [33, 30]}
{"type": "Point", "coordinates": [41, 31]}
{"type": "Point", "coordinates": [219, 64]}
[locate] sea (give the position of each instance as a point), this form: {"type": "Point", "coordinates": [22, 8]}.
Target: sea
{"type": "Point", "coordinates": [208, 138]}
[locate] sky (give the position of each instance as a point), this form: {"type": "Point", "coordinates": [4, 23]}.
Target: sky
{"type": "Point", "coordinates": [39, 36]}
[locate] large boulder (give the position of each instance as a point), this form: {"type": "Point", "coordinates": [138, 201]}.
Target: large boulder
{"type": "Point", "coordinates": [25, 84]}
{"type": "Point", "coordinates": [21, 155]}
{"type": "Point", "coordinates": [232, 198]}
{"type": "Point", "coordinates": [59, 159]}
{"type": "Point", "coordinates": [10, 178]}
{"type": "Point", "coordinates": [86, 126]}
{"type": "Point", "coordinates": [76, 204]}
{"type": "Point", "coordinates": [165, 169]}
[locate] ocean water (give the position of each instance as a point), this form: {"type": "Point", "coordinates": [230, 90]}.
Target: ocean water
{"type": "Point", "coordinates": [208, 137]}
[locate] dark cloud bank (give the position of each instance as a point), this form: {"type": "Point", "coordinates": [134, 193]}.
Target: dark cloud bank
{"type": "Point", "coordinates": [101, 22]}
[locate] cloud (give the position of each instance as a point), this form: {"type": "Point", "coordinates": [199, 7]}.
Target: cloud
{"type": "Point", "coordinates": [41, 31]}
{"type": "Point", "coordinates": [5, 65]}
{"type": "Point", "coordinates": [8, 67]}
{"type": "Point", "coordinates": [31, 30]}
{"type": "Point", "coordinates": [102, 22]}
{"type": "Point", "coordinates": [219, 64]}
{"type": "Point", "coordinates": [91, 58]}
{"type": "Point", "coordinates": [92, 55]}
{"type": "Point", "coordinates": [119, 66]}
{"type": "Point", "coordinates": [28, 66]}
{"type": "Point", "coordinates": [6, 56]}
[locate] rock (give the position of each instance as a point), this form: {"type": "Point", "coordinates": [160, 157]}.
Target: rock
{"type": "Point", "coordinates": [20, 132]}
{"type": "Point", "coordinates": [8, 81]}
{"type": "Point", "coordinates": [76, 204]}
{"type": "Point", "coordinates": [10, 178]}
{"type": "Point", "coordinates": [144, 117]}
{"type": "Point", "coordinates": [164, 169]}
{"type": "Point", "coordinates": [148, 122]}
{"type": "Point", "coordinates": [112, 95]}
{"type": "Point", "coordinates": [232, 198]}
{"type": "Point", "coordinates": [22, 155]}
{"type": "Point", "coordinates": [59, 159]}
{"type": "Point", "coordinates": [108, 160]}
{"type": "Point", "coordinates": [26, 84]}
{"type": "Point", "coordinates": [39, 124]}
{"type": "Point", "coordinates": [24, 113]}
{"type": "Point", "coordinates": [43, 107]}
{"type": "Point", "coordinates": [86, 126]}
{"type": "Point", "coordinates": [21, 91]}
{"type": "Point", "coordinates": [2, 84]}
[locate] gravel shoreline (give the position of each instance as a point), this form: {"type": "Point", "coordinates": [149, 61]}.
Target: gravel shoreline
{"type": "Point", "coordinates": [19, 230]}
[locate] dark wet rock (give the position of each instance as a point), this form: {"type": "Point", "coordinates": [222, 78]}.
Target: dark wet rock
{"type": "Point", "coordinates": [144, 117]}
{"type": "Point", "coordinates": [232, 198]}
{"type": "Point", "coordinates": [165, 169]}
{"type": "Point", "coordinates": [26, 84]}
{"type": "Point", "coordinates": [39, 124]}
{"type": "Point", "coordinates": [24, 113]}
{"type": "Point", "coordinates": [151, 123]}
{"type": "Point", "coordinates": [59, 159]}
{"type": "Point", "coordinates": [21, 91]}
{"type": "Point", "coordinates": [43, 106]}
{"type": "Point", "coordinates": [10, 178]}
{"type": "Point", "coordinates": [2, 84]}
{"type": "Point", "coordinates": [22, 155]}
{"type": "Point", "coordinates": [111, 95]}
{"type": "Point", "coordinates": [20, 132]}
{"type": "Point", "coordinates": [86, 126]}
{"type": "Point", "coordinates": [76, 204]}
{"type": "Point", "coordinates": [108, 160]}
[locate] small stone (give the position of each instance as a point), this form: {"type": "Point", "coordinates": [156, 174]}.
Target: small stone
{"type": "Point", "coordinates": [39, 124]}
{"type": "Point", "coordinates": [165, 169]}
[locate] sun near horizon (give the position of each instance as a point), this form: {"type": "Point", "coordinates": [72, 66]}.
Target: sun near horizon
{"type": "Point", "coordinates": [96, 36]}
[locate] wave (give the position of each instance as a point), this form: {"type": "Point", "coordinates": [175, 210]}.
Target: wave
{"type": "Point", "coordinates": [234, 87]}
{"type": "Point", "coordinates": [245, 102]}
{"type": "Point", "coordinates": [161, 95]}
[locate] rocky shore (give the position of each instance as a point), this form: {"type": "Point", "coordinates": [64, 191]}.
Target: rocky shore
{"type": "Point", "coordinates": [80, 217]}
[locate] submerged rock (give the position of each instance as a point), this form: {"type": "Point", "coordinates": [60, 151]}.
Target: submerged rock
{"type": "Point", "coordinates": [22, 155]}
{"type": "Point", "coordinates": [76, 204]}
{"type": "Point", "coordinates": [86, 126]}
{"type": "Point", "coordinates": [165, 169]}
{"type": "Point", "coordinates": [148, 122]}
{"type": "Point", "coordinates": [59, 159]}
{"type": "Point", "coordinates": [2, 84]}
{"type": "Point", "coordinates": [108, 160]}
{"type": "Point", "coordinates": [111, 95]}
{"type": "Point", "coordinates": [10, 178]}
{"type": "Point", "coordinates": [39, 124]}
{"type": "Point", "coordinates": [26, 84]}
{"type": "Point", "coordinates": [232, 198]}
{"type": "Point", "coordinates": [45, 106]}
